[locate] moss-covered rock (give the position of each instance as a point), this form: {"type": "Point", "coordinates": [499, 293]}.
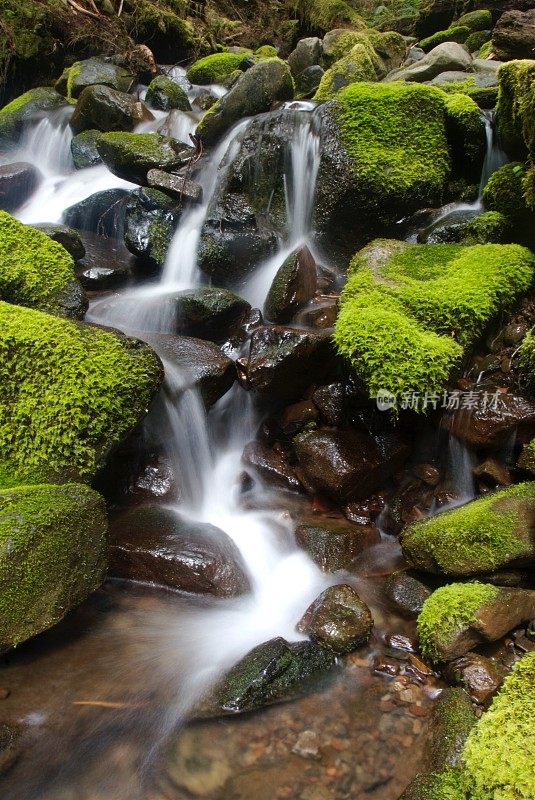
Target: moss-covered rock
{"type": "Point", "coordinates": [476, 41]}
{"type": "Point", "coordinates": [37, 272]}
{"type": "Point", "coordinates": [105, 109]}
{"type": "Point", "coordinates": [481, 87]}
{"type": "Point", "coordinates": [265, 51]}
{"type": "Point", "coordinates": [132, 155]}
{"type": "Point", "coordinates": [215, 68]}
{"type": "Point", "coordinates": [490, 227]}
{"type": "Point", "coordinates": [91, 72]}
{"type": "Point", "coordinates": [20, 111]}
{"type": "Point", "coordinates": [451, 722]}
{"type": "Point", "coordinates": [457, 33]}
{"type": "Point", "coordinates": [485, 535]}
{"type": "Point", "coordinates": [499, 754]}
{"type": "Point", "coordinates": [150, 221]}
{"type": "Point", "coordinates": [53, 554]}
{"type": "Point", "coordinates": [515, 112]}
{"type": "Point", "coordinates": [504, 191]}
{"type": "Point", "coordinates": [165, 94]}
{"type": "Point", "coordinates": [436, 786]}
{"type": "Point", "coordinates": [69, 392]}
{"type": "Point", "coordinates": [479, 20]}
{"type": "Point", "coordinates": [358, 65]}
{"type": "Point", "coordinates": [408, 312]}
{"type": "Point", "coordinates": [324, 15]}
{"type": "Point", "coordinates": [84, 149]}
{"type": "Point", "coordinates": [466, 134]}
{"type": "Point", "coordinates": [527, 358]}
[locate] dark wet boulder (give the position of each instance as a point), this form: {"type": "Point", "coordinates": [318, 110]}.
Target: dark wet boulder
{"type": "Point", "coordinates": [131, 155]}
{"type": "Point", "coordinates": [407, 593]}
{"type": "Point", "coordinates": [451, 721]}
{"type": "Point", "coordinates": [157, 545]}
{"type": "Point", "coordinates": [34, 104]}
{"type": "Point", "coordinates": [514, 35]}
{"type": "Point", "coordinates": [480, 676]}
{"type": "Point", "coordinates": [492, 420]}
{"type": "Point", "coordinates": [492, 532]}
{"type": "Point", "coordinates": [461, 616]}
{"type": "Point", "coordinates": [84, 149]}
{"type": "Point", "coordinates": [101, 213]}
{"type": "Point", "coordinates": [107, 110]}
{"type": "Point", "coordinates": [17, 183]}
{"type": "Point", "coordinates": [338, 620]}
{"type": "Point", "coordinates": [265, 83]}
{"type": "Point", "coordinates": [92, 72]}
{"type": "Point", "coordinates": [334, 543]}
{"type": "Point", "coordinates": [270, 672]}
{"type": "Point", "coordinates": [282, 362]}
{"type": "Point", "coordinates": [53, 556]}
{"type": "Point", "coordinates": [293, 286]}
{"type": "Point", "coordinates": [65, 236]}
{"type": "Point", "coordinates": [107, 264]}
{"type": "Point", "coordinates": [176, 185]}
{"type": "Point", "coordinates": [202, 364]}
{"type": "Point", "coordinates": [307, 53]}
{"type": "Point", "coordinates": [209, 313]}
{"type": "Point", "coordinates": [349, 464]}
{"type": "Point", "coordinates": [165, 94]}
{"type": "Point", "coordinates": [271, 466]}
{"type": "Point", "coordinates": [150, 221]}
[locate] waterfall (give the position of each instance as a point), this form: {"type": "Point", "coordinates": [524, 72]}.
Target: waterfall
{"type": "Point", "coordinates": [48, 144]}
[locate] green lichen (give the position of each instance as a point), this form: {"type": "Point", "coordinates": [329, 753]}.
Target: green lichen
{"type": "Point", "coordinates": [52, 556]}
{"type": "Point", "coordinates": [69, 392]}
{"type": "Point", "coordinates": [450, 609]}
{"type": "Point", "coordinates": [482, 536]}
{"type": "Point", "coordinates": [132, 155]}
{"type": "Point", "coordinates": [515, 112]}
{"type": "Point", "coordinates": [215, 68]}
{"type": "Point", "coordinates": [34, 271]}
{"type": "Point", "coordinates": [457, 33]}
{"type": "Point", "coordinates": [406, 318]}
{"type": "Point", "coordinates": [499, 755]}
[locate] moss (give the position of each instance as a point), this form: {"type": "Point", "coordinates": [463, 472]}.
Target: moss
{"type": "Point", "coordinates": [491, 227]}
{"type": "Point", "coordinates": [505, 192]}
{"type": "Point", "coordinates": [529, 189]}
{"type": "Point", "coordinates": [52, 555]}
{"type": "Point", "coordinates": [215, 68]}
{"type": "Point", "coordinates": [466, 133]}
{"type": "Point", "coordinates": [325, 15]}
{"type": "Point", "coordinates": [132, 155]}
{"type": "Point", "coordinates": [165, 94]}
{"type": "Point", "coordinates": [266, 51]}
{"type": "Point", "coordinates": [69, 392]}
{"type": "Point", "coordinates": [457, 33]}
{"type": "Point", "coordinates": [436, 786]}
{"type": "Point", "coordinates": [452, 720]}
{"type": "Point", "coordinates": [515, 112]}
{"type": "Point", "coordinates": [476, 41]}
{"type": "Point", "coordinates": [527, 357]}
{"type": "Point", "coordinates": [479, 20]}
{"type": "Point", "coordinates": [482, 536]}
{"type": "Point", "coordinates": [500, 752]}
{"type": "Point", "coordinates": [358, 65]}
{"type": "Point", "coordinates": [485, 50]}
{"type": "Point", "coordinates": [34, 271]}
{"type": "Point", "coordinates": [526, 459]}
{"type": "Point", "coordinates": [483, 92]}
{"type": "Point", "coordinates": [405, 319]}
{"type": "Point", "coordinates": [18, 111]}
{"type": "Point", "coordinates": [448, 611]}
{"type": "Point", "coordinates": [161, 26]}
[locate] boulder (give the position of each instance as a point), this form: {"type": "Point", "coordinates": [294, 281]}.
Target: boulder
{"type": "Point", "coordinates": [492, 532]}
{"type": "Point", "coordinates": [84, 149]}
{"type": "Point", "coordinates": [67, 237]}
{"type": "Point", "coordinates": [482, 87]}
{"type": "Point", "coordinates": [216, 68]}
{"type": "Point", "coordinates": [271, 466]}
{"type": "Point", "coordinates": [445, 57]}
{"type": "Point", "coordinates": [154, 544]}
{"type": "Point", "coordinates": [480, 676]}
{"type": "Point", "coordinates": [105, 109]}
{"type": "Point", "coordinates": [131, 155]}
{"type": "Point", "coordinates": [177, 186]}
{"type": "Point", "coordinates": [70, 392]}
{"type": "Point", "coordinates": [334, 543]}
{"type": "Point", "coordinates": [461, 616]}
{"type": "Point", "coordinates": [308, 81]}
{"type": "Point", "coordinates": [491, 421]}
{"type": "Point", "coordinates": [407, 593]}
{"type": "Point", "coordinates": [18, 182]}
{"type": "Point", "coordinates": [293, 286]}
{"type": "Point", "coordinates": [360, 64]}
{"type": "Point", "coordinates": [348, 464]}
{"type": "Point", "coordinates": [266, 82]}
{"type": "Point", "coordinates": [53, 549]}
{"type": "Point", "coordinates": [514, 35]}
{"type": "Point", "coordinates": [92, 72]}
{"type": "Point", "coordinates": [101, 213]}
{"type": "Point", "coordinates": [282, 362]}
{"type": "Point", "coordinates": [338, 620]}
{"type": "Point", "coordinates": [209, 313]}
{"type": "Point", "coordinates": [37, 272]}
{"type": "Point", "coordinates": [307, 53]}
{"type": "Point", "coordinates": [150, 221]}
{"type": "Point", "coordinates": [165, 94]}
{"type": "Point", "coordinates": [451, 721]}
{"type": "Point", "coordinates": [34, 104]}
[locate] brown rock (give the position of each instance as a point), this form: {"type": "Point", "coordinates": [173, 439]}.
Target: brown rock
{"type": "Point", "coordinates": [491, 425]}
{"type": "Point", "coordinates": [493, 473]}
{"type": "Point", "coordinates": [271, 466]}
{"type": "Point", "coordinates": [297, 416]}
{"type": "Point", "coordinates": [428, 474]}
{"type": "Point", "coordinates": [335, 543]}
{"type": "Point", "coordinates": [338, 619]}
{"type": "Point", "coordinates": [407, 593]}
{"type": "Point", "coordinates": [480, 676]}
{"type": "Point", "coordinates": [514, 35]}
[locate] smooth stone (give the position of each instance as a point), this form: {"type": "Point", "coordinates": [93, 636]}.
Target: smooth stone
{"type": "Point", "coordinates": [480, 676]}
{"type": "Point", "coordinates": [338, 620]}
{"type": "Point", "coordinates": [308, 81]}
{"type": "Point", "coordinates": [67, 237]}
{"type": "Point", "coordinates": [451, 721]}
{"type": "Point", "coordinates": [84, 149]}
{"type": "Point", "coordinates": [92, 72]}
{"type": "Point", "coordinates": [446, 57]}
{"type": "Point", "coordinates": [132, 156]}
{"type": "Point", "coordinates": [335, 543]}
{"type": "Point", "coordinates": [407, 593]}
{"type": "Point", "coordinates": [107, 110]}
{"type": "Point", "coordinates": [17, 183]}
{"type": "Point", "coordinates": [272, 467]}
{"type": "Point", "coordinates": [165, 94]}
{"type": "Point", "coordinates": [293, 286]}
{"type": "Point", "coordinates": [151, 218]}
{"type": "Point", "coordinates": [307, 53]}
{"type": "Point", "coordinates": [100, 213]}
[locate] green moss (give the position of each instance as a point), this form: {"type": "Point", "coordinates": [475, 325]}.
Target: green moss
{"type": "Point", "coordinates": [52, 555]}
{"type": "Point", "coordinates": [457, 33]}
{"type": "Point", "coordinates": [448, 611]}
{"type": "Point", "coordinates": [484, 95]}
{"type": "Point", "coordinates": [491, 227]}
{"type": "Point", "coordinates": [527, 357]}
{"type": "Point", "coordinates": [69, 392]}
{"type": "Point", "coordinates": [452, 720]}
{"type": "Point", "coordinates": [436, 786]}
{"type": "Point", "coordinates": [161, 26]}
{"type": "Point", "coordinates": [266, 51]}
{"type": "Point", "coordinates": [515, 112]}
{"type": "Point", "coordinates": [466, 133]}
{"type": "Point", "coordinates": [529, 189]}
{"type": "Point", "coordinates": [165, 94]}
{"type": "Point", "coordinates": [215, 68]}
{"type": "Point", "coordinates": [482, 536]}
{"type": "Point", "coordinates": [406, 318]}
{"type": "Point", "coordinates": [132, 155]}
{"type": "Point", "coordinates": [505, 192]}
{"type": "Point", "coordinates": [358, 65]}
{"type": "Point", "coordinates": [526, 459]}
{"type": "Point", "coordinates": [500, 752]}
{"type": "Point", "coordinates": [325, 15]}
{"type": "Point", "coordinates": [34, 271]}
{"type": "Point", "coordinates": [479, 20]}
{"type": "Point", "coordinates": [485, 50]}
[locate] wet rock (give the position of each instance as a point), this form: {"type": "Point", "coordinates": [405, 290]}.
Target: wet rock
{"type": "Point", "coordinates": [492, 420]}
{"type": "Point", "coordinates": [176, 185]}
{"type": "Point", "coordinates": [270, 672]}
{"type": "Point", "coordinates": [150, 221]}
{"type": "Point", "coordinates": [307, 745]}
{"type": "Point", "coordinates": [349, 464]}
{"type": "Point", "coordinates": [296, 417]}
{"type": "Point", "coordinates": [335, 543]}
{"type": "Point", "coordinates": [308, 53]}
{"type": "Point", "coordinates": [17, 183]}
{"type": "Point", "coordinates": [446, 57]}
{"type": "Point", "coordinates": [451, 721]}
{"type": "Point", "coordinates": [84, 149]}
{"type": "Point", "coordinates": [331, 401]}
{"type": "Point", "coordinates": [132, 155]}
{"type": "Point", "coordinates": [157, 545]}
{"type": "Point", "coordinates": [293, 286]}
{"type": "Point", "coordinates": [91, 72]}
{"type": "Point", "coordinates": [338, 619]}
{"type": "Point", "coordinates": [308, 81]}
{"type": "Point", "coordinates": [481, 677]}
{"type": "Point", "coordinates": [202, 364]}
{"type": "Point", "coordinates": [209, 313]}
{"type": "Point", "coordinates": [107, 110]}
{"type": "Point", "coordinates": [34, 104]}
{"type": "Point", "coordinates": [493, 473]}
{"type": "Point", "coordinates": [482, 86]}
{"type": "Point", "coordinates": [65, 236]}
{"type": "Point", "coordinates": [514, 35]}
{"type": "Point", "coordinates": [271, 466]}
{"type": "Point", "coordinates": [262, 85]}
{"type": "Point", "coordinates": [165, 94]}
{"type": "Point", "coordinates": [283, 362]}
{"type": "Point", "coordinates": [428, 474]}
{"type": "Point", "coordinates": [101, 213]}
{"type": "Point", "coordinates": [204, 100]}
{"type": "Point", "coordinates": [106, 264]}
{"type": "Point", "coordinates": [407, 593]}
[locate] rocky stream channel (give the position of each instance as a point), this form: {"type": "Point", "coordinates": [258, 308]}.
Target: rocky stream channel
{"type": "Point", "coordinates": [267, 418]}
